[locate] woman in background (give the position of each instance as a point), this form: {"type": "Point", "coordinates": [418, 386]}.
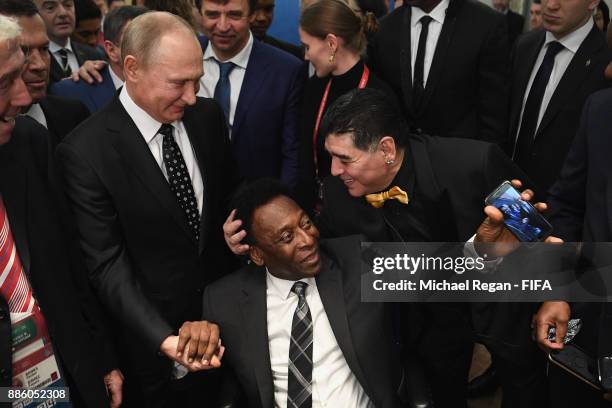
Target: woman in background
{"type": "Point", "coordinates": [334, 40]}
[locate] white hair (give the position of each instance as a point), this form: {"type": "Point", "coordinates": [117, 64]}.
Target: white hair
{"type": "Point", "coordinates": [9, 28]}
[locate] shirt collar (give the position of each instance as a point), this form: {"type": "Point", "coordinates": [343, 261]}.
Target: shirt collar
{"type": "Point", "coordinates": [148, 127]}
{"type": "Point", "coordinates": [438, 13]}
{"type": "Point", "coordinates": [117, 82]}
{"type": "Point", "coordinates": [573, 40]}
{"type": "Point", "coordinates": [55, 47]}
{"type": "Point", "coordinates": [241, 59]}
{"type": "Point", "coordinates": [36, 113]}
{"type": "Point", "coordinates": [282, 287]}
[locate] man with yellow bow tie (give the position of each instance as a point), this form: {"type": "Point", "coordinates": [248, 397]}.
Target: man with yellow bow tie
{"type": "Point", "coordinates": [391, 186]}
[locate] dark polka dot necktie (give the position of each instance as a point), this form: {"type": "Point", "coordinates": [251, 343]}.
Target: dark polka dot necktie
{"type": "Point", "coordinates": [179, 180]}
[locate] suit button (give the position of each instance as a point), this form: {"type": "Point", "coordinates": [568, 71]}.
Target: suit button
{"type": "Point", "coordinates": [4, 374]}
{"type": "Point", "coordinates": [199, 290]}
{"type": "Point", "coordinates": [2, 314]}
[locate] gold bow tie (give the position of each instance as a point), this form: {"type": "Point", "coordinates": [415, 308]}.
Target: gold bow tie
{"type": "Point", "coordinates": [394, 193]}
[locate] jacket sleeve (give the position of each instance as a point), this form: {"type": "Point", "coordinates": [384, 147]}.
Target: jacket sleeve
{"type": "Point", "coordinates": [101, 240]}
{"type": "Point", "coordinates": [291, 128]}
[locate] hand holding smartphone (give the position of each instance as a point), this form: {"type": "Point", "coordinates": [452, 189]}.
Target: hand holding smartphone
{"type": "Point", "coordinates": [520, 217]}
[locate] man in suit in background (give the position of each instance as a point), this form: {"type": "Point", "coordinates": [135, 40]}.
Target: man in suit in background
{"type": "Point", "coordinates": [261, 19]}
{"type": "Point", "coordinates": [41, 275]}
{"type": "Point", "coordinates": [58, 115]}
{"type": "Point", "coordinates": [259, 89]}
{"type": "Point", "coordinates": [448, 62]}
{"type": "Point", "coordinates": [147, 177]}
{"type": "Point", "coordinates": [296, 331]}
{"type": "Point", "coordinates": [579, 210]}
{"type": "Point", "coordinates": [88, 22]}
{"type": "Point", "coordinates": [553, 72]}
{"type": "Point", "coordinates": [98, 94]}
{"type": "Point", "coordinates": [515, 21]}
{"type": "Point", "coordinates": [535, 15]}
{"type": "Point", "coordinates": [67, 56]}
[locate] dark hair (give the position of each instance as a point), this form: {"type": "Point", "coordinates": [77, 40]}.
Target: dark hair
{"type": "Point", "coordinates": [181, 8]}
{"type": "Point", "coordinates": [115, 21]}
{"type": "Point", "coordinates": [537, 1]}
{"type": "Point", "coordinates": [368, 115]}
{"type": "Point", "coordinates": [605, 11]}
{"type": "Point", "coordinates": [378, 7]}
{"type": "Point", "coordinates": [334, 17]}
{"type": "Point", "coordinates": [253, 195]}
{"type": "Point", "coordinates": [18, 8]}
{"type": "Point", "coordinates": [86, 10]}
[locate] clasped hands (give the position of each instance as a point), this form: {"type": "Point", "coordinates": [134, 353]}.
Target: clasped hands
{"type": "Point", "coordinates": [197, 347]}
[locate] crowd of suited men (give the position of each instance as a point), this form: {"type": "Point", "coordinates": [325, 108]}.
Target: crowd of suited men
{"type": "Point", "coordinates": [183, 196]}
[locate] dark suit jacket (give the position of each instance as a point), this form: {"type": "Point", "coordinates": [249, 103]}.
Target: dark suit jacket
{"type": "Point", "coordinates": [580, 205]}
{"type": "Point", "coordinates": [583, 76]}
{"type": "Point", "coordinates": [515, 22]}
{"type": "Point", "coordinates": [452, 177]}
{"type": "Point", "coordinates": [63, 115]}
{"type": "Point", "coordinates": [265, 133]}
{"type": "Point", "coordinates": [82, 52]}
{"type": "Point", "coordinates": [142, 258]}
{"type": "Point", "coordinates": [467, 88]}
{"type": "Point", "coordinates": [94, 96]}
{"type": "Point", "coordinates": [297, 52]}
{"type": "Point", "coordinates": [40, 229]}
{"type": "Point", "coordinates": [237, 303]}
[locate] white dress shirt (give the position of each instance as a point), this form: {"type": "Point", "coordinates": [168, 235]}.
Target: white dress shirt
{"type": "Point", "coordinates": [571, 43]}
{"type": "Point", "coordinates": [209, 80]}
{"type": "Point", "coordinates": [438, 14]}
{"type": "Point", "coordinates": [117, 82]}
{"type": "Point", "coordinates": [149, 129]}
{"type": "Point", "coordinates": [36, 113]}
{"type": "Point", "coordinates": [333, 382]}
{"type": "Point", "coordinates": [54, 49]}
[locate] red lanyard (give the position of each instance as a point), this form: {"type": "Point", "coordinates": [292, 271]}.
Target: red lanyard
{"type": "Point", "coordinates": [362, 84]}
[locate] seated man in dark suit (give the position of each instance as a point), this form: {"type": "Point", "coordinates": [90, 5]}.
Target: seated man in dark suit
{"type": "Point", "coordinates": [58, 115]}
{"type": "Point", "coordinates": [580, 211]}
{"type": "Point", "coordinates": [96, 95]}
{"type": "Point", "coordinates": [67, 55]}
{"type": "Point", "coordinates": [42, 285]}
{"type": "Point", "coordinates": [442, 182]}
{"type": "Point", "coordinates": [259, 89]}
{"type": "Point", "coordinates": [295, 329]}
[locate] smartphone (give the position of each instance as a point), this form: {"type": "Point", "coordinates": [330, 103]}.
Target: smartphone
{"type": "Point", "coordinates": [520, 217]}
{"type": "Point", "coordinates": [578, 363]}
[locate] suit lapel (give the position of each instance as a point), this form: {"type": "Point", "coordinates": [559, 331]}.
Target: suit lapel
{"type": "Point", "coordinates": [52, 126]}
{"type": "Point", "coordinates": [254, 77]}
{"type": "Point", "coordinates": [254, 311]}
{"type": "Point", "coordinates": [331, 291]}
{"type": "Point", "coordinates": [439, 59]}
{"type": "Point", "coordinates": [574, 75]}
{"type": "Point", "coordinates": [14, 192]}
{"type": "Point", "coordinates": [203, 152]}
{"type": "Point", "coordinates": [524, 69]}
{"type": "Point", "coordinates": [405, 58]}
{"type": "Point", "coordinates": [132, 148]}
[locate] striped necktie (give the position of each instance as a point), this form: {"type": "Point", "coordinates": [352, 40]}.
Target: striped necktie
{"type": "Point", "coordinates": [14, 285]}
{"type": "Point", "coordinates": [299, 383]}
